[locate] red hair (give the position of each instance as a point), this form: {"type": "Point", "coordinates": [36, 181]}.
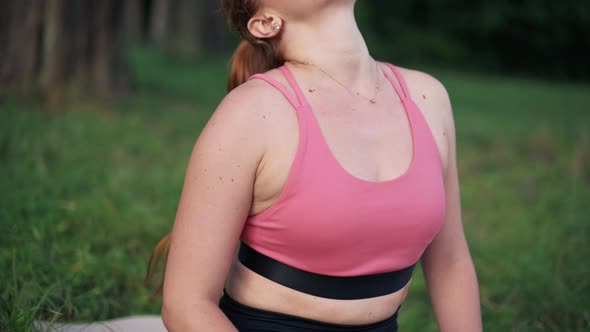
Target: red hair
{"type": "Point", "coordinates": [253, 55]}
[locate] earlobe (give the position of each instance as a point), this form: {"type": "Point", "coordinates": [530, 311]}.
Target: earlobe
{"type": "Point", "coordinates": [265, 26]}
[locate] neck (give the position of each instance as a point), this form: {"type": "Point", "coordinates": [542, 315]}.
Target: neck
{"type": "Point", "coordinates": [332, 41]}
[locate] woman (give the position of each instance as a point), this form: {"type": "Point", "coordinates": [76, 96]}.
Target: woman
{"type": "Point", "coordinates": [337, 173]}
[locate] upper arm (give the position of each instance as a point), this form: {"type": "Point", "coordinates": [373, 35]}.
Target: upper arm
{"type": "Point", "coordinates": [449, 244]}
{"type": "Point", "coordinates": [215, 201]}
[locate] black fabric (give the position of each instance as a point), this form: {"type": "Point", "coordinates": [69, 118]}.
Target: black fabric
{"type": "Point", "coordinates": [341, 288]}
{"type": "Point", "coordinates": [249, 319]}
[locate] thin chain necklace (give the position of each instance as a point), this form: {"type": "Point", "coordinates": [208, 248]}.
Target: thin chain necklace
{"type": "Point", "coordinates": [377, 85]}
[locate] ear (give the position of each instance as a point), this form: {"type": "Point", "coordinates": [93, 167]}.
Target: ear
{"type": "Point", "coordinates": [265, 25]}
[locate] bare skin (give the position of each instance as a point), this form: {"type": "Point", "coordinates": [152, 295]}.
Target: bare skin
{"type": "Point", "coordinates": [382, 133]}
{"type": "Point", "coordinates": [241, 162]}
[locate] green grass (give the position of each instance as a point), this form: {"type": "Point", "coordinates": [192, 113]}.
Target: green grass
{"type": "Point", "coordinates": [86, 193]}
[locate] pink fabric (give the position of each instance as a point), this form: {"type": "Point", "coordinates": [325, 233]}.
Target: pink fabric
{"type": "Point", "coordinates": [330, 222]}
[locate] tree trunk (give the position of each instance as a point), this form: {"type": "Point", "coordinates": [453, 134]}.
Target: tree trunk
{"type": "Point", "coordinates": [53, 71]}
{"type": "Point", "coordinates": [20, 23]}
{"type": "Point", "coordinates": [82, 41]}
{"type": "Point", "coordinates": [159, 21]}
{"type": "Point", "coordinates": [30, 55]}
{"type": "Point", "coordinates": [103, 34]}
{"type": "Point", "coordinates": [188, 36]}
{"type": "Point", "coordinates": [215, 33]}
{"type": "Point", "coordinates": [134, 13]}
{"type": "Point", "coordinates": [50, 44]}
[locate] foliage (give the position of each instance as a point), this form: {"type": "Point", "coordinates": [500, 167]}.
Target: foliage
{"type": "Point", "coordinates": [528, 37]}
{"type": "Point", "coordinates": [49, 45]}
{"type": "Point", "coordinates": [86, 194]}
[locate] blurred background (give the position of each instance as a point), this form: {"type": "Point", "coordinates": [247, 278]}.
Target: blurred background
{"type": "Point", "coordinates": [102, 101]}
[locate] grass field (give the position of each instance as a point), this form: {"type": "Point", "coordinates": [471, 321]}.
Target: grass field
{"type": "Point", "coordinates": [86, 193]}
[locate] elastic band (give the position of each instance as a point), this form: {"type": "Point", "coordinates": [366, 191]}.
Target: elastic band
{"type": "Point", "coordinates": [400, 79]}
{"type": "Point", "coordinates": [293, 82]}
{"type": "Point", "coordinates": [250, 318]}
{"type": "Point", "coordinates": [398, 91]}
{"type": "Point", "coordinates": [279, 87]}
{"type": "Point", "coordinates": [333, 287]}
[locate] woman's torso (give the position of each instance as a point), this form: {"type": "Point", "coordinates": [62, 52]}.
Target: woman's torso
{"type": "Point", "coordinates": [368, 142]}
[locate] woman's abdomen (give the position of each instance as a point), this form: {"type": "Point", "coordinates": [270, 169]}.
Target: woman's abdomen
{"type": "Point", "coordinates": [253, 290]}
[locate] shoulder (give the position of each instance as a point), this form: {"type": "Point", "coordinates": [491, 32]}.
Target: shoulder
{"type": "Point", "coordinates": [425, 87]}
{"type": "Point", "coordinates": [253, 94]}
{"type": "Point", "coordinates": [433, 100]}
{"type": "Point", "coordinates": [431, 96]}
{"type": "Point", "coordinates": [249, 116]}
{"type": "Point", "coordinates": [251, 105]}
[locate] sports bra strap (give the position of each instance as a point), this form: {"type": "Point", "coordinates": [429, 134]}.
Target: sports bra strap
{"type": "Point", "coordinates": [279, 87]}
{"type": "Point", "coordinates": [293, 84]}
{"type": "Point", "coordinates": [401, 80]}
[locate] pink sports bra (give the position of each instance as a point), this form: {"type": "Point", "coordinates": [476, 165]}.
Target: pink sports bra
{"type": "Point", "coordinates": [328, 222]}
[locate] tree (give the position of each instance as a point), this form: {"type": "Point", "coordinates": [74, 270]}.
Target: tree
{"type": "Point", "coordinates": [51, 44]}
{"type": "Point", "coordinates": [135, 12]}
{"type": "Point", "coordinates": [189, 27]}
{"type": "Point", "coordinates": [159, 21]}
{"type": "Point", "coordinates": [20, 39]}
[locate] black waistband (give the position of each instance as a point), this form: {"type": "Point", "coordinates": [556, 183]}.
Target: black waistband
{"type": "Point", "coordinates": [333, 287]}
{"type": "Point", "coordinates": [246, 318]}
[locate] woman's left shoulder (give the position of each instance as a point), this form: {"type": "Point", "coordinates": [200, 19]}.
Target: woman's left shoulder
{"type": "Point", "coordinates": [423, 85]}
{"type": "Point", "coordinates": [432, 99]}
{"type": "Point", "coordinates": [430, 94]}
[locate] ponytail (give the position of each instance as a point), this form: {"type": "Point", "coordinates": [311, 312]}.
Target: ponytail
{"type": "Point", "coordinates": [157, 263]}
{"type": "Point", "coordinates": [250, 59]}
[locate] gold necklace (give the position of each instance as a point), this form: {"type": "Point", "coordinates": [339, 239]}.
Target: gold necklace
{"type": "Point", "coordinates": [377, 85]}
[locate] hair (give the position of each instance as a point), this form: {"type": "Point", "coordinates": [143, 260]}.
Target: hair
{"type": "Point", "coordinates": [253, 55]}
